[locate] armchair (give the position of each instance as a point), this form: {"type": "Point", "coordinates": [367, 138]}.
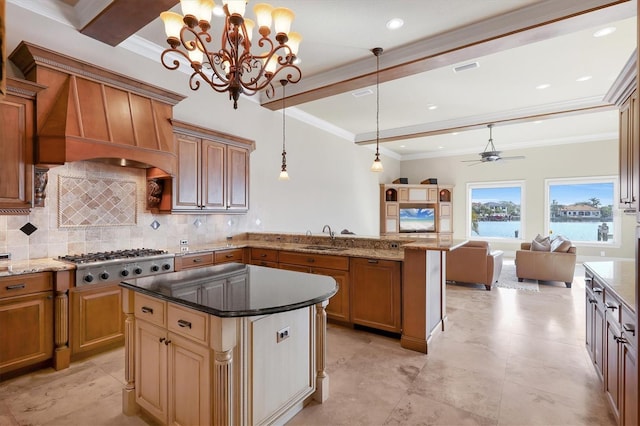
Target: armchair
{"type": "Point", "coordinates": [545, 265]}
{"type": "Point", "coordinates": [474, 262]}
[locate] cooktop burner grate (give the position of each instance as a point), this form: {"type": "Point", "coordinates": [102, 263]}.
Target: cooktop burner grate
{"type": "Point", "coordinates": [111, 255]}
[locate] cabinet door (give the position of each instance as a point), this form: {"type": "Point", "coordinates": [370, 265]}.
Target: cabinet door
{"type": "Point", "coordinates": [338, 307]}
{"type": "Point", "coordinates": [628, 164]}
{"type": "Point", "coordinates": [212, 293]}
{"type": "Point", "coordinates": [186, 194]}
{"type": "Point", "coordinates": [26, 330]}
{"type": "Point", "coordinates": [96, 318]}
{"type": "Point", "coordinates": [16, 161]}
{"type": "Point", "coordinates": [189, 382]}
{"type": "Point", "coordinates": [599, 339]}
{"type": "Point", "coordinates": [611, 377]}
{"type": "Point", "coordinates": [213, 175]}
{"type": "Point", "coordinates": [375, 294]}
{"type": "Point", "coordinates": [629, 377]}
{"type": "Point", "coordinates": [237, 178]}
{"type": "Point", "coordinates": [151, 369]}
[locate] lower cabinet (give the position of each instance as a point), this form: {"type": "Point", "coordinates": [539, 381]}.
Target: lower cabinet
{"type": "Point", "coordinates": [97, 321]}
{"type": "Point", "coordinates": [26, 331]}
{"type": "Point", "coordinates": [172, 376]}
{"type": "Point", "coordinates": [376, 294]}
{"type": "Point", "coordinates": [611, 342]}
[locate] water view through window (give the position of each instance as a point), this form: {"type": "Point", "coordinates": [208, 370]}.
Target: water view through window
{"type": "Point", "coordinates": [581, 209]}
{"type": "Point", "coordinates": [496, 210]}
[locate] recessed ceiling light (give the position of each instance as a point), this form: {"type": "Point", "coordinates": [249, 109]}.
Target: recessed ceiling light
{"type": "Point", "coordinates": [403, 146]}
{"type": "Point", "coordinates": [454, 133]}
{"type": "Point", "coordinates": [543, 86]}
{"type": "Point", "coordinates": [431, 107]}
{"type": "Point", "coordinates": [537, 122]}
{"type": "Point", "coordinates": [218, 10]}
{"type": "Point", "coordinates": [584, 78]}
{"type": "Point", "coordinates": [604, 32]}
{"type": "Point", "coordinates": [441, 147]}
{"type": "Point", "coordinates": [395, 23]}
{"type": "Point", "coordinates": [361, 93]}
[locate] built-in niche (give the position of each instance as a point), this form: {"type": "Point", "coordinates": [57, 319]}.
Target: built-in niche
{"type": "Point", "coordinates": [445, 196]}
{"type": "Point", "coordinates": [391, 195]}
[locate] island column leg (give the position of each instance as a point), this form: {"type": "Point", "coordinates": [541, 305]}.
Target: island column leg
{"type": "Point", "coordinates": [223, 342]}
{"type": "Point", "coordinates": [62, 353]}
{"type": "Point", "coordinates": [322, 378]}
{"type": "Point", "coordinates": [129, 406]}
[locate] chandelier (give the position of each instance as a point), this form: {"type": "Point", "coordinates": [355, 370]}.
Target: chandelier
{"type": "Point", "coordinates": [232, 66]}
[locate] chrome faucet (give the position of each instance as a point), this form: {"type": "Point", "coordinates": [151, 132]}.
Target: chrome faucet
{"type": "Point", "coordinates": [331, 233]}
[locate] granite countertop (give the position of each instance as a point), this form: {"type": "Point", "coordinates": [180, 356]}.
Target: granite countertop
{"type": "Point", "coordinates": [619, 275]}
{"type": "Point", "coordinates": [246, 290]}
{"type": "Point", "coordinates": [11, 267]}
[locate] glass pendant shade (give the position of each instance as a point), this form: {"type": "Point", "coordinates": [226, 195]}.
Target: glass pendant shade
{"type": "Point", "coordinates": [283, 175]}
{"type": "Point", "coordinates": [204, 10]}
{"type": "Point", "coordinates": [282, 19]}
{"type": "Point", "coordinates": [263, 14]}
{"type": "Point", "coordinates": [190, 7]}
{"type": "Point", "coordinates": [294, 42]}
{"type": "Point", "coordinates": [235, 6]}
{"type": "Point", "coordinates": [377, 165]}
{"type": "Point", "coordinates": [249, 25]}
{"type": "Point", "coordinates": [173, 23]}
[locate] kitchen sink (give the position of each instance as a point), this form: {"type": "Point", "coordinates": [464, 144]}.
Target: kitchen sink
{"type": "Point", "coordinates": [328, 248]}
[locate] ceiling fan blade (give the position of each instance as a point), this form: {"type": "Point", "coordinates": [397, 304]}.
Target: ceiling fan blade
{"type": "Point", "coordinates": [515, 157]}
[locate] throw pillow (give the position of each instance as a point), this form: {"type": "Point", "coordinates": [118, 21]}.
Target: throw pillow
{"type": "Point", "coordinates": [539, 238]}
{"type": "Point", "coordinates": [560, 244]}
{"type": "Point", "coordinates": [544, 245]}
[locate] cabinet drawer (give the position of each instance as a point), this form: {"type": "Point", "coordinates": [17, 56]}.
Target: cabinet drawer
{"type": "Point", "coordinates": [195, 260]}
{"type": "Point", "coordinates": [612, 306]}
{"type": "Point", "coordinates": [187, 322]}
{"type": "Point", "coordinates": [150, 309]}
{"type": "Point", "coordinates": [265, 263]}
{"type": "Point", "coordinates": [596, 288]}
{"type": "Point", "coordinates": [317, 260]}
{"type": "Point", "coordinates": [628, 326]}
{"type": "Point", "coordinates": [25, 284]}
{"type": "Point", "coordinates": [266, 255]}
{"type": "Point", "coordinates": [234, 255]}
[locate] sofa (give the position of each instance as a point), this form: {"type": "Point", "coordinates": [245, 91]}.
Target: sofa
{"type": "Point", "coordinates": [474, 262]}
{"type": "Point", "coordinates": [546, 259]}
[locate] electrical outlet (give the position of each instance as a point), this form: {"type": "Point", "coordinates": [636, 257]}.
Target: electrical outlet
{"type": "Point", "coordinates": [184, 248]}
{"type": "Point", "coordinates": [394, 245]}
{"type": "Point", "coordinates": [184, 242]}
{"type": "Point", "coordinates": [5, 256]}
{"type": "Point", "coordinates": [602, 253]}
{"type": "Point", "coordinates": [283, 333]}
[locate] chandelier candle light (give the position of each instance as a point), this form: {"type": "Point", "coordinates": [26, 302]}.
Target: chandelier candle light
{"type": "Point", "coordinates": [232, 67]}
{"type": "Point", "coordinates": [377, 164]}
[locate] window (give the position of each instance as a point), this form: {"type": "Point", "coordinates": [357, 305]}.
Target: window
{"type": "Point", "coordinates": [581, 209]}
{"type": "Point", "coordinates": [495, 210]}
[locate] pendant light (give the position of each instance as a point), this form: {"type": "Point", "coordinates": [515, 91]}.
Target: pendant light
{"type": "Point", "coordinates": [377, 164]}
{"type": "Point", "coordinates": [283, 172]}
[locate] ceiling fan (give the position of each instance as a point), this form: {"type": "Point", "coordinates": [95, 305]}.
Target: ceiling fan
{"type": "Point", "coordinates": [490, 154]}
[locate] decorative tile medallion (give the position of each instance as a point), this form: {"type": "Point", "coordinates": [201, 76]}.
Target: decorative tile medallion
{"type": "Point", "coordinates": [28, 228]}
{"type": "Point", "coordinates": [84, 202]}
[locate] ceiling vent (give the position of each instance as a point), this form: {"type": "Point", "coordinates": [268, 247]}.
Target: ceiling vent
{"type": "Point", "coordinates": [466, 67]}
{"type": "Point", "coordinates": [361, 93]}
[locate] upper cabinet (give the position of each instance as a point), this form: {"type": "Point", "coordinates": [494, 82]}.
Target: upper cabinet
{"type": "Point", "coordinates": [213, 171]}
{"type": "Point", "coordinates": [16, 144]}
{"type": "Point", "coordinates": [623, 93]}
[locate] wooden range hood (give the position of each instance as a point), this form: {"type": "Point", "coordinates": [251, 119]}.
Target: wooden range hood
{"type": "Point", "coordinates": [89, 113]}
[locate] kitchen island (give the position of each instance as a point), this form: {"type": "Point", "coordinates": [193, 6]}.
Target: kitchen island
{"type": "Point", "coordinates": [226, 344]}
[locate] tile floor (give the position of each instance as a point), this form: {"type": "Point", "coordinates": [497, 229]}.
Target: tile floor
{"type": "Point", "coordinates": [508, 357]}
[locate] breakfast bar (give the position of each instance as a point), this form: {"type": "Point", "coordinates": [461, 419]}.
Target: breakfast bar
{"type": "Point", "coordinates": [226, 344]}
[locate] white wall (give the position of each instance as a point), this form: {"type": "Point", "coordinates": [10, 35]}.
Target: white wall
{"type": "Point", "coordinates": [570, 160]}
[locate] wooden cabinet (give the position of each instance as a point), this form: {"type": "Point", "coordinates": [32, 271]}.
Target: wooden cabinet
{"type": "Point", "coordinates": [173, 377]}
{"type": "Point", "coordinates": [376, 294]}
{"type": "Point", "coordinates": [16, 144]}
{"type": "Point", "coordinates": [229, 255]}
{"type": "Point", "coordinates": [213, 171]}
{"type": "Point", "coordinates": [333, 266]}
{"type": "Point", "coordinates": [26, 321]}
{"type": "Point", "coordinates": [611, 342]}
{"type": "Point", "coordinates": [629, 153]}
{"type": "Point", "coordinates": [97, 321]}
{"type": "Point", "coordinates": [208, 258]}
{"type": "Point", "coordinates": [399, 204]}
{"type": "Point", "coordinates": [264, 257]}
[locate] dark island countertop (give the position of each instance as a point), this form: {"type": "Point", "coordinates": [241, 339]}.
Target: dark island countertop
{"type": "Point", "coordinates": [237, 290]}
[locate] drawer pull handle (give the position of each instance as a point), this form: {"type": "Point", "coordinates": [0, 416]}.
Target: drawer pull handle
{"type": "Point", "coordinates": [229, 256]}
{"type": "Point", "coordinates": [16, 286]}
{"type": "Point", "coordinates": [197, 260]}
{"type": "Point", "coordinates": [587, 280]}
{"type": "Point", "coordinates": [263, 255]}
{"type": "Point", "coordinates": [372, 261]}
{"type": "Point", "coordinates": [593, 301]}
{"type": "Point", "coordinates": [184, 324]}
{"type": "Point", "coordinates": [311, 260]}
{"type": "Point", "coordinates": [147, 310]}
{"type": "Point", "coordinates": [629, 328]}
{"type": "Point", "coordinates": [620, 339]}
{"type": "Point", "coordinates": [611, 306]}
{"type": "Point", "coordinates": [597, 290]}
{"type": "Point", "coordinates": [162, 339]}
{"type": "Point", "coordinates": [166, 342]}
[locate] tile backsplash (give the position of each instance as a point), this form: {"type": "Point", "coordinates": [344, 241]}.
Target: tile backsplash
{"type": "Point", "coordinates": [75, 220]}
